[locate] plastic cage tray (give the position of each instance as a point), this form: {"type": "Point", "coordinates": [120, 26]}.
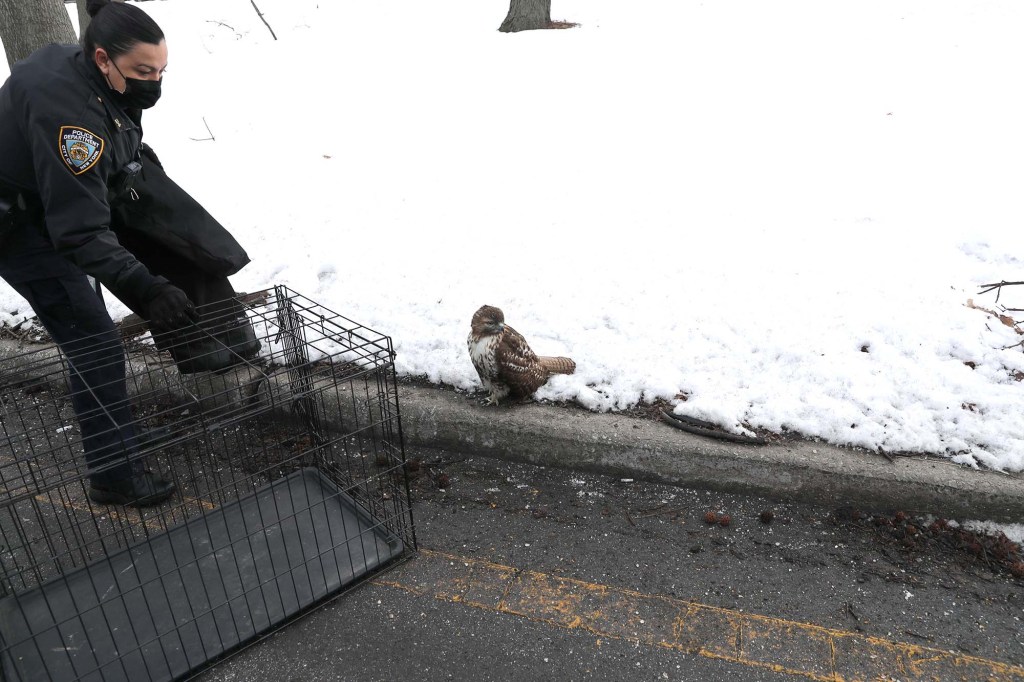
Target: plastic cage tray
{"type": "Point", "coordinates": [145, 612]}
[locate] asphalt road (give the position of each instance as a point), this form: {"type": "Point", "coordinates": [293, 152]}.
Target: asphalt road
{"type": "Point", "coordinates": [532, 573]}
{"type": "Point", "coordinates": [527, 573]}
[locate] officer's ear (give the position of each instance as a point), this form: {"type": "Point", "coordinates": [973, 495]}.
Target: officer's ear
{"type": "Point", "coordinates": [102, 60]}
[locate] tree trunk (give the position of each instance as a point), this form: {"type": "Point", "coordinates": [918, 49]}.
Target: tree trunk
{"type": "Point", "coordinates": [525, 15]}
{"type": "Point", "coordinates": [27, 26]}
{"type": "Point", "coordinates": [83, 17]}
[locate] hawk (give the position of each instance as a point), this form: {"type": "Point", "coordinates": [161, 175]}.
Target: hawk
{"type": "Point", "coordinates": [504, 361]}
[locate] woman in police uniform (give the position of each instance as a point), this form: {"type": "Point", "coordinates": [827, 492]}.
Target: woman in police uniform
{"type": "Point", "coordinates": [70, 143]}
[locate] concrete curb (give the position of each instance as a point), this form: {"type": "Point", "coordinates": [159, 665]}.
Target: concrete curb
{"type": "Point", "coordinates": [650, 451]}
{"type": "Point", "coordinates": [644, 450]}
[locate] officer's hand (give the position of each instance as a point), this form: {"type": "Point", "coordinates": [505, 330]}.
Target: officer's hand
{"type": "Point", "coordinates": [169, 308]}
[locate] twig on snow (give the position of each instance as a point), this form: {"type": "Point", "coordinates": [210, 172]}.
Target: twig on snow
{"type": "Point", "coordinates": [205, 139]}
{"type": "Point", "coordinates": [221, 23]}
{"type": "Point", "coordinates": [263, 19]}
{"type": "Point", "coordinates": [985, 288]}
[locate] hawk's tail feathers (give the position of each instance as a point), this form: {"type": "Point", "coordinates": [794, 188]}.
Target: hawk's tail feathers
{"type": "Point", "coordinates": [558, 365]}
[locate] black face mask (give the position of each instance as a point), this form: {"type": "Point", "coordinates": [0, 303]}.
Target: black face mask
{"type": "Point", "coordinates": [138, 93]}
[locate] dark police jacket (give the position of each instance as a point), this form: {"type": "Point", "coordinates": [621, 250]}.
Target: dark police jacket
{"type": "Point", "coordinates": [64, 143]}
{"type": "Point", "coordinates": [63, 140]}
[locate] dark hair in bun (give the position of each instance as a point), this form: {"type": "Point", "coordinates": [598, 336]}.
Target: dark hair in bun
{"type": "Point", "coordinates": [94, 6]}
{"type": "Point", "coordinates": [117, 27]}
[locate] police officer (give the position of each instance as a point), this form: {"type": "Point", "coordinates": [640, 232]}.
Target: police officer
{"type": "Point", "coordinates": [70, 143]}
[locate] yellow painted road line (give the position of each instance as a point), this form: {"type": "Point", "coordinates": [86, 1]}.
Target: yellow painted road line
{"type": "Point", "coordinates": [205, 504]}
{"type": "Point", "coordinates": [782, 646]}
{"type": "Point", "coordinates": [116, 514]}
{"type": "Point", "coordinates": [156, 519]}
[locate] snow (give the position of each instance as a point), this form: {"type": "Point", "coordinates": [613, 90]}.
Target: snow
{"type": "Point", "coordinates": [777, 210]}
{"type": "Point", "coordinates": [1013, 531]}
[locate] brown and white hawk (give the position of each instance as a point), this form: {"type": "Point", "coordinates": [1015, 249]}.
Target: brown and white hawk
{"type": "Point", "coordinates": [505, 362]}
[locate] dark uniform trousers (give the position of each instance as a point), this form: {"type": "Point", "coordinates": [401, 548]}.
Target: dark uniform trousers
{"type": "Point", "coordinates": [73, 313]}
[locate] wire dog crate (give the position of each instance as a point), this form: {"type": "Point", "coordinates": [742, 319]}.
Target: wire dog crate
{"type": "Point", "coordinates": [291, 487]}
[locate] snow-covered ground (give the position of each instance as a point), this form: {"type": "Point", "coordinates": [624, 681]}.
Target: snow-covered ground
{"type": "Point", "coordinates": [779, 210]}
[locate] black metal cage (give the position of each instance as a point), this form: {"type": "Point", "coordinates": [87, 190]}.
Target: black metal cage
{"type": "Point", "coordinates": [277, 420]}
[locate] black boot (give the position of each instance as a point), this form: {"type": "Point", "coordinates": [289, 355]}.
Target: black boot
{"type": "Point", "coordinates": [141, 490]}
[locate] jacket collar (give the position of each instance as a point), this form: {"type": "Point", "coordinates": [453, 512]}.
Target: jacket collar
{"type": "Point", "coordinates": [121, 118]}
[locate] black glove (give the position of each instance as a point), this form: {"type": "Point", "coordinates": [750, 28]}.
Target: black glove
{"type": "Point", "coordinates": [169, 308]}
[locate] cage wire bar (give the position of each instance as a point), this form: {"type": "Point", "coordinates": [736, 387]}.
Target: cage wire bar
{"type": "Point", "coordinates": [291, 487]}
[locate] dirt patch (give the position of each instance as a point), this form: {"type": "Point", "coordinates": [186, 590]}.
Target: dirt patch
{"type": "Point", "coordinates": [911, 535]}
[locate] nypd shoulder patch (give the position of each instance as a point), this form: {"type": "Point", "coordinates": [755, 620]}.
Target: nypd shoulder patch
{"type": "Point", "coordinates": [79, 148]}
